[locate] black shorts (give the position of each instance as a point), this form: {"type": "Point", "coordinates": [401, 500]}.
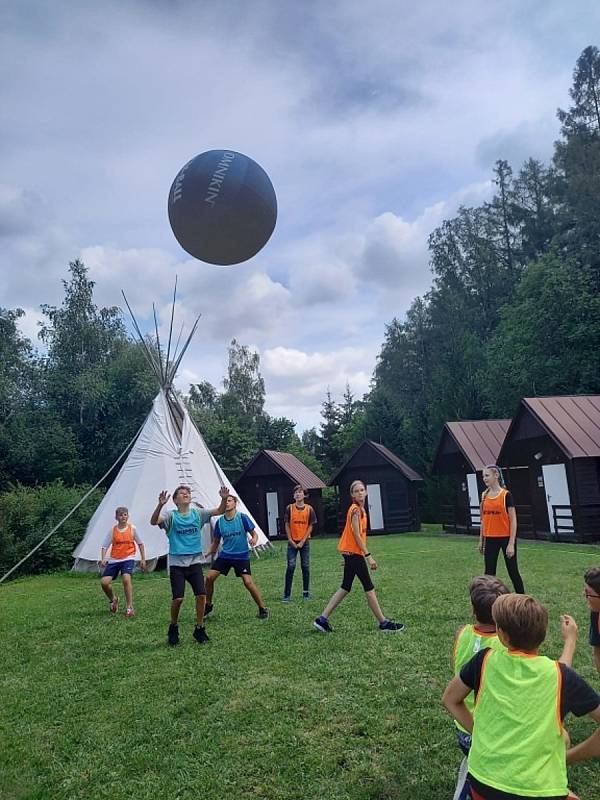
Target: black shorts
{"type": "Point", "coordinates": [355, 566]}
{"type": "Point", "coordinates": [192, 574]}
{"type": "Point", "coordinates": [239, 565]}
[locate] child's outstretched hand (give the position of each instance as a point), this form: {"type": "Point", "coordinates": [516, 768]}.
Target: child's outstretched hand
{"type": "Point", "coordinates": [163, 497]}
{"type": "Point", "coordinates": [568, 627]}
{"type": "Point", "coordinates": [224, 491]}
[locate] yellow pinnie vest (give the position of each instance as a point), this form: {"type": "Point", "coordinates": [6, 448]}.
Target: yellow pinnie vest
{"type": "Point", "coordinates": [517, 744]}
{"type": "Point", "coordinates": [469, 641]}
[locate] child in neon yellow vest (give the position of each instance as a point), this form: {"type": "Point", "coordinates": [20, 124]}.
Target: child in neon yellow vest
{"type": "Point", "coordinates": [518, 745]}
{"type": "Point", "coordinates": [469, 640]}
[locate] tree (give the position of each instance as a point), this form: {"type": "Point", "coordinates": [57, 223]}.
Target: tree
{"type": "Point", "coordinates": [585, 94]}
{"type": "Point", "coordinates": [330, 425]}
{"type": "Point", "coordinates": [548, 339]}
{"type": "Point", "coordinates": [244, 384]}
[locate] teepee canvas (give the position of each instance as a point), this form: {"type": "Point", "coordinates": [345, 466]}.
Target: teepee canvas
{"type": "Point", "coordinates": [168, 452]}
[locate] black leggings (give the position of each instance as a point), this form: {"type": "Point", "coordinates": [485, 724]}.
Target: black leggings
{"type": "Point", "coordinates": [355, 566]}
{"type": "Point", "coordinates": [492, 547]}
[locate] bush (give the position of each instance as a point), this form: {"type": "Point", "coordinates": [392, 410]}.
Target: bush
{"type": "Point", "coordinates": [27, 514]}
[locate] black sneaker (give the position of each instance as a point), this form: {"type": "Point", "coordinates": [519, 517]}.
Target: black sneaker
{"type": "Point", "coordinates": [200, 635]}
{"type": "Point", "coordinates": [208, 609]}
{"type": "Point", "coordinates": [263, 613]}
{"type": "Point", "coordinates": [389, 626]}
{"type": "Point", "coordinates": [322, 624]}
{"type": "Point", "coordinates": [173, 635]}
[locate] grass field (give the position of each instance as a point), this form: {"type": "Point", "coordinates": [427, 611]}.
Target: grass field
{"type": "Point", "coordinates": [93, 706]}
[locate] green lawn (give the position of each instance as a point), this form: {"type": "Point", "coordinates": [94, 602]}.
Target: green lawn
{"type": "Point", "coordinates": [93, 706]}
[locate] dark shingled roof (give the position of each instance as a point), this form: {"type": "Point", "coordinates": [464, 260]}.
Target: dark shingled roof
{"type": "Point", "coordinates": [479, 440]}
{"type": "Point", "coordinates": [390, 457]}
{"type": "Point", "coordinates": [573, 421]}
{"type": "Point", "coordinates": [295, 469]}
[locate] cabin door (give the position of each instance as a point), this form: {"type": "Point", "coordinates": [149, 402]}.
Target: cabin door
{"type": "Point", "coordinates": [473, 500]}
{"type": "Point", "coordinates": [557, 494]}
{"type": "Point", "coordinates": [375, 509]}
{"type": "Point", "coordinates": [272, 514]}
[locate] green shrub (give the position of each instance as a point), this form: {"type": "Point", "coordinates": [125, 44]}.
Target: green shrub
{"type": "Point", "coordinates": [27, 514]}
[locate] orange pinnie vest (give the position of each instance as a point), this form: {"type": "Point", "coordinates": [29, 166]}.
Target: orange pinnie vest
{"type": "Point", "coordinates": [123, 543]}
{"type": "Point", "coordinates": [299, 521]}
{"type": "Point", "coordinates": [494, 515]}
{"type": "Point", "coordinates": [347, 543]}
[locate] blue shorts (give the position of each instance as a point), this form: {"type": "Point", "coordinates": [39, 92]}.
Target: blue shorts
{"type": "Point", "coordinates": [124, 567]}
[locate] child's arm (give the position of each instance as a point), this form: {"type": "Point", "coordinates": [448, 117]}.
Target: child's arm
{"type": "Point", "coordinates": [223, 494]}
{"type": "Point", "coordinates": [481, 537]}
{"type": "Point", "coordinates": [105, 549]}
{"type": "Point", "coordinates": [359, 542]}
{"type": "Point", "coordinates": [162, 499]}
{"type": "Point", "coordinates": [590, 748]}
{"type": "Point", "coordinates": [142, 556]}
{"type": "Point", "coordinates": [104, 555]}
{"type": "Point", "coordinates": [246, 522]}
{"type": "Point", "coordinates": [454, 700]}
{"type": "Point", "coordinates": [288, 532]}
{"type": "Point", "coordinates": [512, 516]}
{"type": "Point", "coordinates": [214, 542]}
{"type": "Point", "coordinates": [568, 629]}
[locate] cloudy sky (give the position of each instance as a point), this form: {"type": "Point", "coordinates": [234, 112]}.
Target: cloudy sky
{"type": "Point", "coordinates": [375, 120]}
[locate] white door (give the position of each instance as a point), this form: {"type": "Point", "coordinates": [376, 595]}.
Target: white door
{"type": "Point", "coordinates": [272, 513]}
{"type": "Point", "coordinates": [375, 510]}
{"type": "Point", "coordinates": [474, 499]}
{"type": "Point", "coordinates": [557, 494]}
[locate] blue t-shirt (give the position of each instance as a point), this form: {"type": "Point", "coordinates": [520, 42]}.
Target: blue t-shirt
{"type": "Point", "coordinates": [234, 533]}
{"type": "Point", "coordinates": [184, 530]}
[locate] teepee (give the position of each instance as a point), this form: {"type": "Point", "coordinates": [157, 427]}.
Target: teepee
{"type": "Point", "coordinates": [169, 451]}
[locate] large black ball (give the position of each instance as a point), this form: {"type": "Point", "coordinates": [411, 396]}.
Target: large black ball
{"type": "Point", "coordinates": [222, 207]}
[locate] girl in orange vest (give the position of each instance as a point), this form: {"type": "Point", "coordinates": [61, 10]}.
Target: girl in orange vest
{"type": "Point", "coordinates": [357, 562]}
{"type": "Point", "coordinates": [499, 527]}
{"type": "Point", "coordinates": [121, 542]}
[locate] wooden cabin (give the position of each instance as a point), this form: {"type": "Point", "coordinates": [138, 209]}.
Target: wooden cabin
{"type": "Point", "coordinates": [267, 487]}
{"type": "Point", "coordinates": [551, 461]}
{"type": "Point", "coordinates": [392, 501]}
{"type": "Point", "coordinates": [464, 449]}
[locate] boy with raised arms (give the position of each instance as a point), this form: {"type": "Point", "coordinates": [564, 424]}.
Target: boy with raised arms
{"type": "Point", "coordinates": [183, 528]}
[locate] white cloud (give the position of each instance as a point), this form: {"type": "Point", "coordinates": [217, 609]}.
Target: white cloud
{"type": "Point", "coordinates": [298, 381]}
{"type": "Point", "coordinates": [369, 118]}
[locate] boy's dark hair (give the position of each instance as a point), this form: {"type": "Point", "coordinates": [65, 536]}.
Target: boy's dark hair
{"type": "Point", "coordinates": [523, 620]}
{"type": "Point", "coordinates": [484, 591]}
{"type": "Point", "coordinates": [298, 487]}
{"type": "Point", "coordinates": [233, 497]}
{"type": "Point", "coordinates": [592, 578]}
{"type": "Point", "coordinates": [120, 509]}
{"type": "Point", "coordinates": [178, 489]}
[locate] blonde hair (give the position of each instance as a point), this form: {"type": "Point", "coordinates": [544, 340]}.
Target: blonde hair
{"type": "Point", "coordinates": [354, 483]}
{"type": "Point", "coordinates": [495, 468]}
{"type": "Point", "coordinates": [523, 620]}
